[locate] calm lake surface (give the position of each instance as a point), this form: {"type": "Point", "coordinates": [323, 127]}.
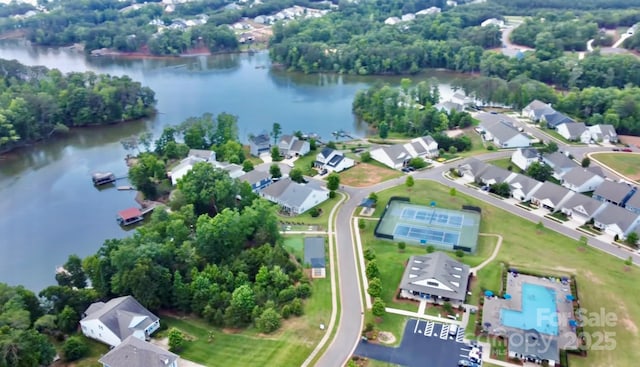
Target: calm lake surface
{"type": "Point", "coordinates": [49, 207]}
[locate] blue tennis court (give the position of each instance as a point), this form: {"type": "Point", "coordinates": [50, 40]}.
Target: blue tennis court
{"type": "Point", "coordinates": [432, 216]}
{"type": "Point", "coordinates": [426, 235]}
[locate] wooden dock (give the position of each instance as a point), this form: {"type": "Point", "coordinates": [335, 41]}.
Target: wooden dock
{"type": "Point", "coordinates": [125, 188]}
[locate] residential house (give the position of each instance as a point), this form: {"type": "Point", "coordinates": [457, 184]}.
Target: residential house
{"type": "Point", "coordinates": [332, 160]}
{"type": "Point", "coordinates": [580, 179]}
{"type": "Point", "coordinates": [133, 352]}
{"type": "Point", "coordinates": [471, 168]}
{"type": "Point", "coordinates": [581, 207]}
{"type": "Point", "coordinates": [408, 17]}
{"type": "Point", "coordinates": [633, 203]}
{"type": "Point", "coordinates": [532, 346]}
{"type": "Point", "coordinates": [492, 21]}
{"type": "Point", "coordinates": [314, 256]}
{"type": "Point", "coordinates": [398, 155]}
{"type": "Point", "coordinates": [294, 198]}
{"type": "Point", "coordinates": [523, 187]}
{"type": "Point", "coordinates": [257, 179]}
{"type": "Point", "coordinates": [435, 278]}
{"type": "Point", "coordinates": [555, 119]}
{"type": "Point", "coordinates": [462, 99]}
{"type": "Point", "coordinates": [291, 146]}
{"type": "Point", "coordinates": [536, 109]}
{"type": "Point", "coordinates": [597, 170]}
{"type": "Point", "coordinates": [259, 144]}
{"type": "Point", "coordinates": [559, 162]}
{"type": "Point", "coordinates": [616, 221]}
{"type": "Point", "coordinates": [603, 132]}
{"type": "Point", "coordinates": [550, 196]}
{"type": "Point", "coordinates": [616, 193]}
{"type": "Point", "coordinates": [523, 157]}
{"type": "Point", "coordinates": [501, 130]}
{"type": "Point", "coordinates": [119, 318]}
{"type": "Point", "coordinates": [493, 175]}
{"type": "Point", "coordinates": [448, 107]}
{"type": "Point", "coordinates": [232, 169]}
{"type": "Point", "coordinates": [574, 131]}
{"type": "Point", "coordinates": [392, 21]}
{"type": "Point", "coordinates": [203, 154]}
{"type": "Point", "coordinates": [429, 11]}
{"type": "Point", "coordinates": [182, 168]}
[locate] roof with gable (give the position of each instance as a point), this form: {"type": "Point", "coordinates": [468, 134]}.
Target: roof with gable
{"type": "Point", "coordinates": [129, 213]}
{"type": "Point", "coordinates": [326, 152]}
{"type": "Point", "coordinates": [202, 154]}
{"type": "Point", "coordinates": [556, 118]}
{"type": "Point", "coordinates": [551, 192]}
{"type": "Point", "coordinates": [255, 176]}
{"type": "Point", "coordinates": [501, 127]}
{"type": "Point", "coordinates": [314, 252]}
{"type": "Point", "coordinates": [558, 161]}
{"type": "Point", "coordinates": [577, 176]}
{"type": "Point", "coordinates": [613, 214]}
{"type": "Point", "coordinates": [122, 315]}
{"type": "Point", "coordinates": [261, 139]}
{"type": "Point", "coordinates": [529, 153]}
{"type": "Point", "coordinates": [588, 205]}
{"type": "Point", "coordinates": [473, 167]}
{"type": "Point", "coordinates": [297, 145]}
{"type": "Point", "coordinates": [612, 191]}
{"type": "Point", "coordinates": [523, 183]}
{"type": "Point", "coordinates": [436, 274]}
{"type": "Point", "coordinates": [335, 160]}
{"type": "Point", "coordinates": [133, 352]}
{"type": "Point", "coordinates": [539, 108]}
{"type": "Point", "coordinates": [290, 193]}
{"type": "Point", "coordinates": [495, 173]}
{"type": "Point", "coordinates": [575, 129]}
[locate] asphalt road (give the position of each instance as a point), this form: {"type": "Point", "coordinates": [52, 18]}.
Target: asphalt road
{"type": "Point", "coordinates": [351, 312]}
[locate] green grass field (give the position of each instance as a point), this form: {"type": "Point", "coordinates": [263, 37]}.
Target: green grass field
{"type": "Point", "coordinates": [289, 346]}
{"type": "Point", "coordinates": [627, 164]}
{"type": "Point", "coordinates": [305, 164]}
{"type": "Point", "coordinates": [505, 163]}
{"type": "Point", "coordinates": [604, 282]}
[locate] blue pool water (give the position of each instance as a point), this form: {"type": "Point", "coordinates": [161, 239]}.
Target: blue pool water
{"type": "Point", "coordinates": [539, 311]}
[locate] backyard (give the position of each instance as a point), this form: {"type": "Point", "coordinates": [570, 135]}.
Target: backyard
{"type": "Point", "coordinates": [605, 282]}
{"type": "Point", "coordinates": [367, 174]}
{"type": "Point", "coordinates": [627, 164]}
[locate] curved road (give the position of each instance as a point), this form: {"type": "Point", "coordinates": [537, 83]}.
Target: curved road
{"type": "Point", "coordinates": [350, 319]}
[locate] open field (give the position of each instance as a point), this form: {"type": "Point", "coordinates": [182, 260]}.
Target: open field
{"type": "Point", "coordinates": [305, 163]}
{"type": "Point", "coordinates": [289, 346]}
{"type": "Point", "coordinates": [605, 284]}
{"type": "Point", "coordinates": [627, 164]}
{"type": "Point", "coordinates": [367, 174]}
{"type": "Point", "coordinates": [506, 163]}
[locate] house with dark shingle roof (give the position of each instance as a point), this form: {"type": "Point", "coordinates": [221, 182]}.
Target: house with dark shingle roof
{"type": "Point", "coordinates": [314, 256]}
{"type": "Point", "coordinates": [536, 109]}
{"type": "Point", "coordinates": [435, 278]}
{"type": "Point", "coordinates": [555, 119]}
{"type": "Point", "coordinates": [616, 193]}
{"type": "Point", "coordinates": [523, 187]}
{"type": "Point", "coordinates": [501, 129]}
{"type": "Point", "coordinates": [633, 203]}
{"type": "Point", "coordinates": [580, 179]}
{"type": "Point", "coordinates": [332, 160]}
{"type": "Point", "coordinates": [616, 221]}
{"type": "Point", "coordinates": [257, 179]}
{"type": "Point", "coordinates": [581, 207]}
{"type": "Point", "coordinates": [550, 196]}
{"type": "Point", "coordinates": [531, 346]}
{"type": "Point", "coordinates": [119, 318]}
{"type": "Point", "coordinates": [260, 144]}
{"type": "Point", "coordinates": [133, 352]}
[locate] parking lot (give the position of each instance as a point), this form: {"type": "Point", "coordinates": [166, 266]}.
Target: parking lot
{"type": "Point", "coordinates": [424, 343]}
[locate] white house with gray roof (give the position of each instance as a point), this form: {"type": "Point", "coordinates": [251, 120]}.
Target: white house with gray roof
{"type": "Point", "coordinates": [501, 130]}
{"type": "Point", "coordinates": [603, 132]}
{"type": "Point", "coordinates": [259, 144]}
{"type": "Point", "coordinates": [493, 175]}
{"type": "Point", "coordinates": [291, 146]}
{"type": "Point", "coordinates": [398, 155]}
{"type": "Point", "coordinates": [257, 179]}
{"type": "Point", "coordinates": [523, 187]}
{"type": "Point", "coordinates": [580, 179]}
{"type": "Point", "coordinates": [633, 203]}
{"type": "Point", "coordinates": [294, 198]}
{"type": "Point", "coordinates": [471, 168]}
{"type": "Point", "coordinates": [448, 107]}
{"type": "Point", "coordinates": [616, 221]}
{"type": "Point", "coordinates": [536, 109]}
{"type": "Point", "coordinates": [581, 207]}
{"type": "Point", "coordinates": [574, 131]}
{"type": "Point", "coordinates": [119, 318]}
{"type": "Point", "coordinates": [332, 160]}
{"type": "Point", "coordinates": [435, 278]}
{"type": "Point", "coordinates": [559, 162]}
{"type": "Point", "coordinates": [133, 352]}
{"type": "Point", "coordinates": [550, 196]}
{"type": "Point", "coordinates": [523, 157]}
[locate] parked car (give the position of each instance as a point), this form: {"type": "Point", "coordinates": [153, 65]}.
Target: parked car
{"type": "Point", "coordinates": [464, 363]}
{"type": "Point", "coordinates": [411, 169]}
{"type": "Point", "coordinates": [405, 169]}
{"type": "Point", "coordinates": [616, 149]}
{"type": "Point", "coordinates": [627, 150]}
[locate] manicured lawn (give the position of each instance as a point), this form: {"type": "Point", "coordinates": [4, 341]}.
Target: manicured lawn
{"type": "Point", "coordinates": [247, 153]}
{"type": "Point", "coordinates": [477, 145]}
{"type": "Point", "coordinates": [305, 163]}
{"type": "Point", "coordinates": [506, 163]}
{"type": "Point", "coordinates": [627, 164]}
{"type": "Point", "coordinates": [390, 322]}
{"type": "Point", "coordinates": [289, 346]}
{"type": "Point", "coordinates": [294, 243]}
{"type": "Point", "coordinates": [367, 174]}
{"type": "Point", "coordinates": [604, 282]}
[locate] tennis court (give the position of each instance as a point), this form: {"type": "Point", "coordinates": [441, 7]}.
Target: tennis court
{"type": "Point", "coordinates": [429, 225]}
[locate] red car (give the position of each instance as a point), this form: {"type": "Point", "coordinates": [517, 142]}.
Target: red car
{"type": "Point", "coordinates": [627, 150]}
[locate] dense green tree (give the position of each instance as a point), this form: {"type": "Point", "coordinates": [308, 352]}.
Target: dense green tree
{"type": "Point", "coordinates": [72, 274]}
{"type": "Point", "coordinates": [276, 132]}
{"type": "Point", "coordinates": [333, 181]}
{"type": "Point", "coordinates": [176, 340]}
{"type": "Point", "coordinates": [372, 270]}
{"type": "Point", "coordinates": [275, 154]}
{"type": "Point", "coordinates": [247, 165]}
{"type": "Point", "coordinates": [502, 189]}
{"type": "Point", "coordinates": [269, 321]}
{"type": "Point", "coordinates": [375, 288]}
{"type": "Point", "coordinates": [586, 162]}
{"type": "Point", "coordinates": [296, 175]}
{"type": "Point", "coordinates": [378, 308]}
{"type": "Point", "coordinates": [274, 170]}
{"type": "Point", "coordinates": [242, 303]}
{"type": "Point", "coordinates": [539, 171]}
{"type": "Point", "coordinates": [409, 182]}
{"type": "Point", "coordinates": [383, 130]}
{"type": "Point", "coordinates": [24, 348]}
{"type": "Point", "coordinates": [74, 348]}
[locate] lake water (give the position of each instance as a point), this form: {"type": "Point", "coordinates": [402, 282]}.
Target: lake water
{"type": "Point", "coordinates": [49, 206]}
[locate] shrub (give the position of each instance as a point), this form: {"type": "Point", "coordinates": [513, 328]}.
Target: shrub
{"type": "Point", "coordinates": [296, 307]}
{"type": "Point", "coordinates": [365, 157]}
{"type": "Point", "coordinates": [491, 147]}
{"type": "Point", "coordinates": [447, 307]}
{"type": "Point", "coordinates": [375, 288]}
{"type": "Point", "coordinates": [176, 340]}
{"type": "Point", "coordinates": [378, 308]}
{"type": "Point", "coordinates": [74, 348]}
{"type": "Point", "coordinates": [431, 249]}
{"type": "Point", "coordinates": [459, 253]}
{"type": "Point", "coordinates": [369, 254]}
{"type": "Point", "coordinates": [372, 269]}
{"type": "Point", "coordinates": [332, 194]}
{"type": "Point", "coordinates": [314, 212]}
{"type": "Point", "coordinates": [269, 321]}
{"type": "Point", "coordinates": [303, 290]}
{"type": "Point", "coordinates": [402, 246]}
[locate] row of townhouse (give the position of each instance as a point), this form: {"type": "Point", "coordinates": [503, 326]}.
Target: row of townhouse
{"type": "Point", "coordinates": [614, 207]}
{"type": "Point", "coordinates": [501, 130]}
{"type": "Point", "coordinates": [569, 129]}
{"type": "Point", "coordinates": [398, 155]}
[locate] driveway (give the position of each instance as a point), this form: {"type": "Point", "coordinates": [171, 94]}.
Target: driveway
{"type": "Point", "coordinates": [424, 343]}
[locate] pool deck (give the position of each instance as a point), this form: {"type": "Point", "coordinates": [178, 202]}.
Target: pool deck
{"type": "Point", "coordinates": [492, 305]}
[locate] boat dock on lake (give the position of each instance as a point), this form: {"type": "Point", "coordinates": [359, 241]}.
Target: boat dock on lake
{"type": "Point", "coordinates": [133, 215]}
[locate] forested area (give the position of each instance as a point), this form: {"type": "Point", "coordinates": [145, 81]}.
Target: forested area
{"type": "Point", "coordinates": [408, 110]}
{"type": "Point", "coordinates": [35, 102]}
{"type": "Point", "coordinates": [568, 34]}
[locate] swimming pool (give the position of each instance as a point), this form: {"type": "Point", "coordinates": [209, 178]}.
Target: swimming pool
{"type": "Point", "coordinates": [539, 311]}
